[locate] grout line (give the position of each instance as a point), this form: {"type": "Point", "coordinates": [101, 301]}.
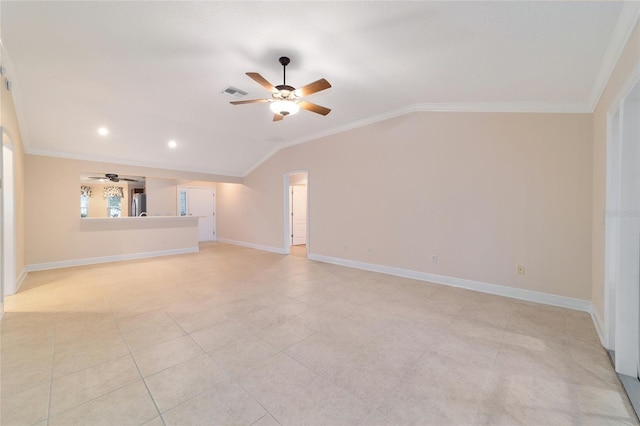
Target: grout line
{"type": "Point", "coordinates": [53, 356]}
{"type": "Point", "coordinates": [138, 368]}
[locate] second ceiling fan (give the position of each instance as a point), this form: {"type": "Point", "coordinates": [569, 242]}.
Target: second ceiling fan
{"type": "Point", "coordinates": [287, 100]}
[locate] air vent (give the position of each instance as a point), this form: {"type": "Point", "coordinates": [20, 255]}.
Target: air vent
{"type": "Point", "coordinates": [234, 91]}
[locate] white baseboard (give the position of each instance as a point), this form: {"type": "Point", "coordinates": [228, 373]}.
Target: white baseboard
{"type": "Point", "coordinates": [107, 259]}
{"type": "Point", "coordinates": [278, 250]}
{"type": "Point", "coordinates": [498, 290]}
{"type": "Point", "coordinates": [599, 325]}
{"type": "Point", "coordinates": [20, 278]}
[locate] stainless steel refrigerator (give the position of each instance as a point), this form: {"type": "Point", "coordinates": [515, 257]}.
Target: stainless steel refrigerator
{"type": "Point", "coordinates": [139, 205]}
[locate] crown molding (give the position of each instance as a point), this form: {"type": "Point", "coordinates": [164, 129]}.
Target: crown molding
{"type": "Point", "coordinates": [626, 24]}
{"type": "Point", "coordinates": [505, 107]}
{"type": "Point", "coordinates": [229, 177]}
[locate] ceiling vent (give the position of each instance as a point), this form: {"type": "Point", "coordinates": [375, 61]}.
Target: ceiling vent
{"type": "Point", "coordinates": [234, 91]}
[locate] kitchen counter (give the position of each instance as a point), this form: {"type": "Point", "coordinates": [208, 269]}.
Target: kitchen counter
{"type": "Point", "coordinates": [136, 222]}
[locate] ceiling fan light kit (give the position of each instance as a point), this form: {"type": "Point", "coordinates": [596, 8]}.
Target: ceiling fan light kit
{"type": "Point", "coordinates": [284, 107]}
{"type": "Point", "coordinates": [287, 100]}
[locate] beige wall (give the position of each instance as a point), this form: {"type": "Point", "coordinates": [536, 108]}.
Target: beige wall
{"type": "Point", "coordinates": [629, 59]}
{"type": "Point", "coordinates": [53, 221]}
{"type": "Point", "coordinates": [9, 122]}
{"type": "Point", "coordinates": [482, 191]}
{"type": "Point", "coordinates": [161, 197]}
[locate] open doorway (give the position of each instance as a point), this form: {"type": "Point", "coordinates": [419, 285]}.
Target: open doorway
{"type": "Point", "coordinates": [8, 220]}
{"type": "Point", "coordinates": [297, 213]}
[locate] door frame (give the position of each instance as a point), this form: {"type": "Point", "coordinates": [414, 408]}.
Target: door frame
{"type": "Point", "coordinates": [287, 210]}
{"type": "Point", "coordinates": [621, 303]}
{"type": "Point", "coordinates": [8, 218]}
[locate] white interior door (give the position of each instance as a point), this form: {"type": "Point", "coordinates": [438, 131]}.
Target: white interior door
{"type": "Point", "coordinates": [298, 215]}
{"type": "Point", "coordinates": [201, 202]}
{"type": "Point", "coordinates": [627, 341]}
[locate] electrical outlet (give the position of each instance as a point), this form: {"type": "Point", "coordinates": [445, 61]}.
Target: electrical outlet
{"type": "Point", "coordinates": [369, 250]}
{"type": "Point", "coordinates": [434, 259]}
{"type": "Point", "coordinates": [520, 269]}
{"type": "Point", "coordinates": [345, 247]}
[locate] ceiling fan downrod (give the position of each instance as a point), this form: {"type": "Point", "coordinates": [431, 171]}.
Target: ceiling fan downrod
{"type": "Point", "coordinates": [284, 61]}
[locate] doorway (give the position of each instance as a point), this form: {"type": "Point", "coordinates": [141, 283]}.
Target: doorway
{"type": "Point", "coordinates": [296, 213]}
{"type": "Point", "coordinates": [194, 201]}
{"type": "Point", "coordinates": [8, 220]}
{"type": "Point", "coordinates": [622, 233]}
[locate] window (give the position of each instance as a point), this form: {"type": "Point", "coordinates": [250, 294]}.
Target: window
{"type": "Point", "coordinates": [114, 206]}
{"type": "Point", "coordinates": [84, 205]}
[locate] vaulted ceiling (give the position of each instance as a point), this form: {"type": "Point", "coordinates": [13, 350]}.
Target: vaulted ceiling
{"type": "Point", "coordinates": [154, 71]}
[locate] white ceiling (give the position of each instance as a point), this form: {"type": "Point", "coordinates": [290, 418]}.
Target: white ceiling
{"type": "Point", "coordinates": [153, 71]}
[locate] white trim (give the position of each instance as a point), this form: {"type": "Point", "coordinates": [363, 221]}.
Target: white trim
{"type": "Point", "coordinates": [9, 217]}
{"type": "Point", "coordinates": [108, 259]}
{"type": "Point", "coordinates": [20, 279]}
{"type": "Point", "coordinates": [498, 290]}
{"type": "Point", "coordinates": [287, 210]}
{"type": "Point", "coordinates": [597, 322]}
{"type": "Point", "coordinates": [626, 24]}
{"type": "Point", "coordinates": [513, 107]}
{"type": "Point", "coordinates": [625, 90]}
{"type": "Point", "coordinates": [278, 250]}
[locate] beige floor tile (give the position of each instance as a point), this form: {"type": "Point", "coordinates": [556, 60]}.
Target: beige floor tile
{"type": "Point", "coordinates": [26, 365]}
{"type": "Point", "coordinates": [175, 385]}
{"type": "Point", "coordinates": [375, 418]}
{"type": "Point", "coordinates": [285, 334]}
{"type": "Point", "coordinates": [595, 401]}
{"type": "Point", "coordinates": [407, 408]}
{"type": "Point", "coordinates": [166, 354]}
{"type": "Point", "coordinates": [198, 320]}
{"type": "Point", "coordinates": [154, 422]}
{"type": "Point", "coordinates": [240, 356]}
{"type": "Point", "coordinates": [481, 358]}
{"type": "Point", "coordinates": [317, 319]}
{"type": "Point", "coordinates": [266, 420]}
{"type": "Point", "coordinates": [74, 389]}
{"type": "Point", "coordinates": [21, 328]}
{"type": "Point", "coordinates": [383, 362]}
{"type": "Point", "coordinates": [219, 335]}
{"type": "Point", "coordinates": [604, 420]}
{"type": "Point", "coordinates": [27, 407]}
{"type": "Point", "coordinates": [26, 352]}
{"type": "Point", "coordinates": [224, 404]}
{"type": "Point", "coordinates": [529, 400]}
{"type": "Point", "coordinates": [276, 379]}
{"type": "Point", "coordinates": [540, 358]}
{"type": "Point", "coordinates": [81, 354]}
{"type": "Point", "coordinates": [360, 384]}
{"type": "Point", "coordinates": [130, 405]}
{"type": "Point", "coordinates": [322, 350]}
{"type": "Point", "coordinates": [260, 319]}
{"type": "Point", "coordinates": [321, 403]}
{"type": "Point", "coordinates": [148, 329]}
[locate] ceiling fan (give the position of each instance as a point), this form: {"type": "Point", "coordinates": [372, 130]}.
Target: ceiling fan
{"type": "Point", "coordinates": [112, 177]}
{"type": "Point", "coordinates": [287, 100]}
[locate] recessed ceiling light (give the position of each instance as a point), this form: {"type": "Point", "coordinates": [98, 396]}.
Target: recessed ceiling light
{"type": "Point", "coordinates": [103, 131]}
{"type": "Point", "coordinates": [172, 144]}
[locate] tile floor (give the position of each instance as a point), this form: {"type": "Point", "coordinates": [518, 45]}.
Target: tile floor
{"type": "Point", "coordinates": [231, 335]}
